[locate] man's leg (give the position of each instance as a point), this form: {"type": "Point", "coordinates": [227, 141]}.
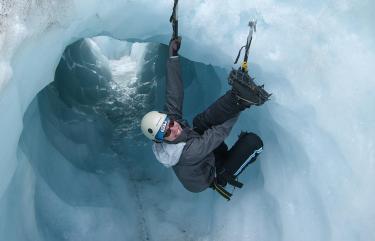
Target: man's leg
{"type": "Point", "coordinates": [243, 152]}
{"type": "Point", "coordinates": [220, 153]}
{"type": "Point", "coordinates": [223, 109]}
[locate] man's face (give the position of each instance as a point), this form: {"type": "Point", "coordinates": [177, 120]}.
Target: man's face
{"type": "Point", "coordinates": [173, 131]}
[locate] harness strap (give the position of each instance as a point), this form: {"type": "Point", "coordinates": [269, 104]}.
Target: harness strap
{"type": "Point", "coordinates": [218, 188]}
{"type": "Point", "coordinates": [228, 178]}
{"type": "Point", "coordinates": [232, 181]}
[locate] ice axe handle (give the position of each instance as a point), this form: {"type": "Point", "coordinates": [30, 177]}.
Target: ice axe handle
{"type": "Point", "coordinates": [252, 29]}
{"type": "Point", "coordinates": [253, 25]}
{"type": "Point", "coordinates": [175, 29]}
{"type": "Point", "coordinates": [173, 20]}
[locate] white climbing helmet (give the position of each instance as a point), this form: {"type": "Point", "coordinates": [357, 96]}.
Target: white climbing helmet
{"type": "Point", "coordinates": [153, 125]}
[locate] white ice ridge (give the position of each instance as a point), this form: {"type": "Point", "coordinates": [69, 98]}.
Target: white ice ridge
{"type": "Point", "coordinates": [315, 176]}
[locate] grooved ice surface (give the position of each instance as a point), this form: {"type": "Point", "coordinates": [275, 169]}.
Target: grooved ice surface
{"type": "Point", "coordinates": [72, 170]}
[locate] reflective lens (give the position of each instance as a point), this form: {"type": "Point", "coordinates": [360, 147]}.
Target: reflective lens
{"type": "Point", "coordinates": [161, 133]}
{"type": "Point", "coordinates": [170, 125]}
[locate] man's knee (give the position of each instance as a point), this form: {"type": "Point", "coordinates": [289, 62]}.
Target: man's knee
{"type": "Point", "coordinates": [251, 146]}
{"type": "Point", "coordinates": [245, 151]}
{"type": "Point", "coordinates": [250, 140]}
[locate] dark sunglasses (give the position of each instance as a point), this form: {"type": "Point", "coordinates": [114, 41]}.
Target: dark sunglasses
{"type": "Point", "coordinates": [170, 125]}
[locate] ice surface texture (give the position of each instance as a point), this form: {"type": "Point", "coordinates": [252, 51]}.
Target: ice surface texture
{"type": "Point", "coordinates": [312, 182]}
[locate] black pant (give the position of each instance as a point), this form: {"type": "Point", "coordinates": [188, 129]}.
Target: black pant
{"type": "Point", "coordinates": [233, 161]}
{"type": "Point", "coordinates": [247, 147]}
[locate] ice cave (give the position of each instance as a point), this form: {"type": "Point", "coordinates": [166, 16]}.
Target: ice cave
{"type": "Point", "coordinates": [76, 77]}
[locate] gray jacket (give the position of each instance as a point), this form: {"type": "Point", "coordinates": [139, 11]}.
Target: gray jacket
{"type": "Point", "coordinates": [192, 158]}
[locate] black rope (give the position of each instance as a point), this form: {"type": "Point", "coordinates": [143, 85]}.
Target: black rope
{"type": "Point", "coordinates": [239, 53]}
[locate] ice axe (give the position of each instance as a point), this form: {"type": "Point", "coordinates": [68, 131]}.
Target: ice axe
{"type": "Point", "coordinates": [173, 19]}
{"type": "Point", "coordinates": [253, 28]}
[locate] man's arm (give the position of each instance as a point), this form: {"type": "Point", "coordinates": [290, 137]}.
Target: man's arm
{"type": "Point", "coordinates": [174, 89]}
{"type": "Point", "coordinates": [174, 85]}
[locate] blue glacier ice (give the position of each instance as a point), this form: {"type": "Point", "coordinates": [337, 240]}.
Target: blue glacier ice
{"type": "Point", "coordinates": [77, 76]}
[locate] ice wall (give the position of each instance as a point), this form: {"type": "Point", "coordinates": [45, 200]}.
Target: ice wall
{"type": "Point", "coordinates": [314, 179]}
{"type": "Point", "coordinates": [93, 175]}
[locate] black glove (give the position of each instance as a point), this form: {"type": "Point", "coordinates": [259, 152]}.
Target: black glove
{"type": "Point", "coordinates": [174, 46]}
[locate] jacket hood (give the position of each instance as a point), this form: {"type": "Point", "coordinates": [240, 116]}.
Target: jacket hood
{"type": "Point", "coordinates": [168, 154]}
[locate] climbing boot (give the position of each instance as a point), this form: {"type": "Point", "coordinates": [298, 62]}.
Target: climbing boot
{"type": "Point", "coordinates": [246, 91]}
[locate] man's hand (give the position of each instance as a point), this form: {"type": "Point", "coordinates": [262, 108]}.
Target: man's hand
{"type": "Point", "coordinates": [174, 46]}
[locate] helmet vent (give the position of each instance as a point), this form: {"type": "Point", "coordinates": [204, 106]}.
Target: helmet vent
{"type": "Point", "coordinates": [149, 130]}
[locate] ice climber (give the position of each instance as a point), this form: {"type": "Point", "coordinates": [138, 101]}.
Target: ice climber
{"type": "Point", "coordinates": [198, 155]}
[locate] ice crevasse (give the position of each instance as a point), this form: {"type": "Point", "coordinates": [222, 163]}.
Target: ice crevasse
{"type": "Point", "coordinates": [63, 178]}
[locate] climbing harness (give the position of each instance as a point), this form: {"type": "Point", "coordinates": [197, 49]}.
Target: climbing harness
{"type": "Point", "coordinates": [227, 178]}
{"type": "Point", "coordinates": [233, 181]}
{"type": "Point", "coordinates": [174, 20]}
{"type": "Point", "coordinates": [221, 190]}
